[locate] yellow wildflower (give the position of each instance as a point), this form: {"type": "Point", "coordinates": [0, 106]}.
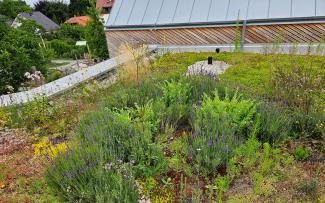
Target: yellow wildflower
{"type": "Point", "coordinates": [45, 148]}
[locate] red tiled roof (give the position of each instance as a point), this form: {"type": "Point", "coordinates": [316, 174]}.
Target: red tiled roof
{"type": "Point", "coordinates": [104, 3]}
{"type": "Point", "coordinates": [80, 20]}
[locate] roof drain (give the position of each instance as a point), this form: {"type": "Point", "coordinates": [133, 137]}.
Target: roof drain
{"type": "Point", "coordinates": [210, 60]}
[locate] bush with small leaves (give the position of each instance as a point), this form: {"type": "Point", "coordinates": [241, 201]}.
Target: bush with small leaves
{"type": "Point", "coordinates": [301, 153]}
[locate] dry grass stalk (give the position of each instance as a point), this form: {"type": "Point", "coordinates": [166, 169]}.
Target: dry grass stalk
{"type": "Point", "coordinates": [137, 66]}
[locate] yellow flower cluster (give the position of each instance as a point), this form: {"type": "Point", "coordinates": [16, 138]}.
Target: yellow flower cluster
{"type": "Point", "coordinates": [46, 149]}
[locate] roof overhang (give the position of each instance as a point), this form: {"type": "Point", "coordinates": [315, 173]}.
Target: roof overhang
{"type": "Point", "coordinates": [256, 22]}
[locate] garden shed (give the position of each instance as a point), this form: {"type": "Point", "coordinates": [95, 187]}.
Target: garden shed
{"type": "Point", "coordinates": [215, 22]}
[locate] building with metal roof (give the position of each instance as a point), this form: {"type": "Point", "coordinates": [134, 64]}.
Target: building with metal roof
{"type": "Point", "coordinates": [190, 22]}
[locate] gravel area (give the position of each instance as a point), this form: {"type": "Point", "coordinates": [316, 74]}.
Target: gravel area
{"type": "Point", "coordinates": [11, 140]}
{"type": "Point", "coordinates": [203, 68]}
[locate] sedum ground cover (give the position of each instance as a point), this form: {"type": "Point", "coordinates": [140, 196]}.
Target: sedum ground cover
{"type": "Point", "coordinates": [255, 133]}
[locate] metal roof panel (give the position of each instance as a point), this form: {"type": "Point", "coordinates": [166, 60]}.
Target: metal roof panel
{"type": "Point", "coordinates": [183, 11]}
{"type": "Point", "coordinates": [218, 10]}
{"type": "Point", "coordinates": [114, 12]}
{"type": "Point", "coordinates": [125, 12]}
{"type": "Point", "coordinates": [320, 8]}
{"type": "Point", "coordinates": [280, 9]}
{"type": "Point", "coordinates": [200, 10]}
{"type": "Point", "coordinates": [303, 8]}
{"type": "Point", "coordinates": [139, 13]}
{"type": "Point", "coordinates": [237, 8]}
{"type": "Point", "coordinates": [167, 12]}
{"type": "Point", "coordinates": [152, 12]}
{"type": "Point", "coordinates": [258, 9]}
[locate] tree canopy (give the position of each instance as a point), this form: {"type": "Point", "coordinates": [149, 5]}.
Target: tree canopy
{"type": "Point", "coordinates": [78, 7]}
{"type": "Point", "coordinates": [19, 51]}
{"type": "Point", "coordinates": [55, 10]}
{"type": "Point", "coordinates": [11, 8]}
{"type": "Point", "coordinates": [95, 34]}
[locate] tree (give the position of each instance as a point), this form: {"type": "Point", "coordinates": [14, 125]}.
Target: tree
{"type": "Point", "coordinates": [95, 34]}
{"type": "Point", "coordinates": [78, 7]}
{"type": "Point", "coordinates": [3, 27]}
{"type": "Point", "coordinates": [71, 32]}
{"type": "Point", "coordinates": [12, 8]}
{"type": "Point", "coordinates": [19, 51]}
{"type": "Point", "coordinates": [55, 10]}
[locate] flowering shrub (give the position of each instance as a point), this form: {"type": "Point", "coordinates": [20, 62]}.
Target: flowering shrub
{"type": "Point", "coordinates": [113, 148]}
{"type": "Point", "coordinates": [34, 78]}
{"type": "Point", "coordinates": [83, 175]}
{"type": "Point", "coordinates": [123, 139]}
{"type": "Point", "coordinates": [219, 126]}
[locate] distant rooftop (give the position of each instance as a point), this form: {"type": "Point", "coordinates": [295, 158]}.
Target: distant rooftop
{"type": "Point", "coordinates": [163, 13]}
{"type": "Point", "coordinates": [40, 19]}
{"type": "Point", "coordinates": [104, 3]}
{"type": "Point", "coordinates": [79, 20]}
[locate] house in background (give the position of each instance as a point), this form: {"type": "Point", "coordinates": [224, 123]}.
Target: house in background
{"type": "Point", "coordinates": [216, 23]}
{"type": "Point", "coordinates": [78, 20]}
{"type": "Point", "coordinates": [39, 18]}
{"type": "Point", "coordinates": [105, 7]}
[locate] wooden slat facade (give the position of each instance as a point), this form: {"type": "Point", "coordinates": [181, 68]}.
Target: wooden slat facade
{"type": "Point", "coordinates": [282, 33]}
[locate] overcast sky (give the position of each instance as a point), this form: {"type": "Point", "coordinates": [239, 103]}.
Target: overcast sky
{"type": "Point", "coordinates": [32, 2]}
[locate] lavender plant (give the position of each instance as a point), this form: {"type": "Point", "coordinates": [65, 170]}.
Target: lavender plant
{"type": "Point", "coordinates": [275, 123]}
{"type": "Point", "coordinates": [83, 175]}
{"type": "Point", "coordinates": [219, 126]}
{"type": "Point", "coordinates": [112, 149]}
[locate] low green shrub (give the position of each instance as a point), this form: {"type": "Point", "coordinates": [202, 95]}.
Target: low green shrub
{"type": "Point", "coordinates": [309, 125]}
{"type": "Point", "coordinates": [275, 124]}
{"type": "Point", "coordinates": [112, 147]}
{"type": "Point", "coordinates": [53, 75]}
{"type": "Point", "coordinates": [4, 118]}
{"type": "Point", "coordinates": [83, 175]}
{"type": "Point", "coordinates": [201, 85]}
{"type": "Point", "coordinates": [72, 32]}
{"type": "Point", "coordinates": [299, 84]}
{"type": "Point", "coordinates": [65, 49]}
{"type": "Point", "coordinates": [127, 96]}
{"type": "Point", "coordinates": [309, 188]}
{"type": "Point", "coordinates": [301, 153]}
{"type": "Point", "coordinates": [175, 97]}
{"type": "Point", "coordinates": [124, 138]}
{"type": "Point", "coordinates": [176, 92]}
{"type": "Point", "coordinates": [149, 114]}
{"type": "Point", "coordinates": [33, 114]}
{"type": "Point", "coordinates": [219, 127]}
